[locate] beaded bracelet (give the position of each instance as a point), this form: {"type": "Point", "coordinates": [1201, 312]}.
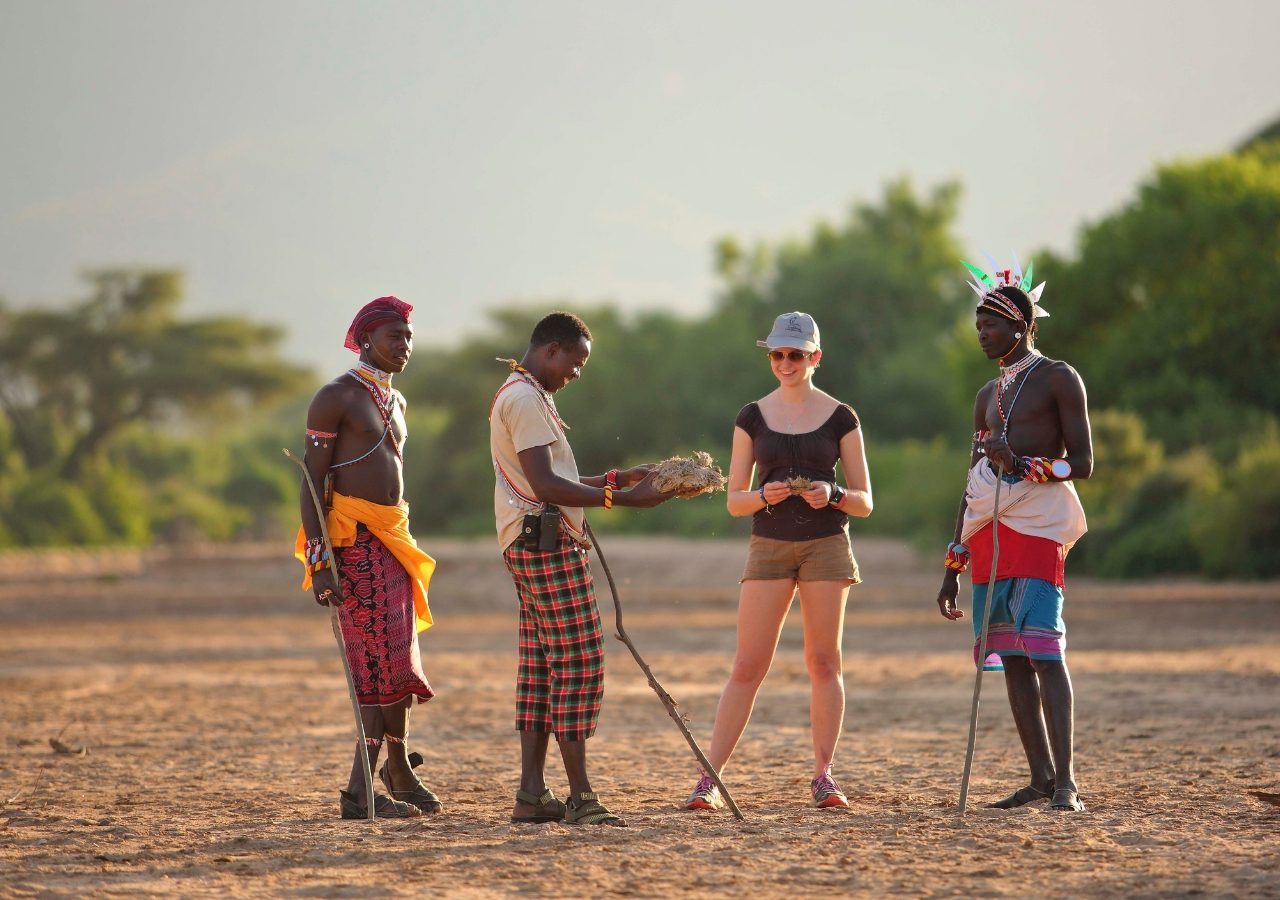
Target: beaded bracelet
{"type": "Point", "coordinates": [608, 497]}
{"type": "Point", "coordinates": [1039, 469]}
{"type": "Point", "coordinates": [762, 500]}
{"type": "Point", "coordinates": [957, 558]}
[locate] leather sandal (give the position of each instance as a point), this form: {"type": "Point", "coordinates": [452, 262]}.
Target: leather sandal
{"type": "Point", "coordinates": [586, 809]}
{"type": "Point", "coordinates": [1021, 797]}
{"type": "Point", "coordinates": [549, 809]}
{"type": "Point", "coordinates": [419, 795]}
{"type": "Point", "coordinates": [383, 808]}
{"type": "Point", "coordinates": [1066, 800]}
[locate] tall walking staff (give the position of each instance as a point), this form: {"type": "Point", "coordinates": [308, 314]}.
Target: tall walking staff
{"type": "Point", "coordinates": [982, 643]}
{"type": "Point", "coordinates": [673, 709]}
{"type": "Point", "coordinates": [337, 634]}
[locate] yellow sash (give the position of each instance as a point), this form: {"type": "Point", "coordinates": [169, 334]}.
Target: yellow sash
{"type": "Point", "coordinates": [389, 524]}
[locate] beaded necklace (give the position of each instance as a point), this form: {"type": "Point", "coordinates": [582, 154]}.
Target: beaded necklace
{"type": "Point", "coordinates": [545, 394]}
{"type": "Point", "coordinates": [378, 384]}
{"type": "Point", "coordinates": [1010, 372]}
{"type": "Point", "coordinates": [1020, 366]}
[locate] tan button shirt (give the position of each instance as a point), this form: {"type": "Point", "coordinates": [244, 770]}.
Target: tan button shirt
{"type": "Point", "coordinates": [524, 416]}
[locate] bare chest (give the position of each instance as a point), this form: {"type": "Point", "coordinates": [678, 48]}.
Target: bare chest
{"type": "Point", "coordinates": [1026, 414]}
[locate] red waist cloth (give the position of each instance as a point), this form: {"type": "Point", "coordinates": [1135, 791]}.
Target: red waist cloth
{"type": "Point", "coordinates": [1021, 556]}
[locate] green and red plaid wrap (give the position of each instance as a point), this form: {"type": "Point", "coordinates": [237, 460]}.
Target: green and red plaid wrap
{"type": "Point", "coordinates": [560, 682]}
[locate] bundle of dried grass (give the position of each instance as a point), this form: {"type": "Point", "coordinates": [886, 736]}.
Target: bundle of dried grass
{"type": "Point", "coordinates": [688, 477]}
{"type": "Point", "coordinates": [799, 484]}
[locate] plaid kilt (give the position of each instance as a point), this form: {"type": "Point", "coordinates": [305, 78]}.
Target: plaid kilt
{"type": "Point", "coordinates": [560, 682]}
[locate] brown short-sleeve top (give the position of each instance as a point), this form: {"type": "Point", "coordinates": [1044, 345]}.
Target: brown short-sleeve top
{"type": "Point", "coordinates": [812, 455]}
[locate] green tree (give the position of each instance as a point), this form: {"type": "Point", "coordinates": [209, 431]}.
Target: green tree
{"type": "Point", "coordinates": [71, 380]}
{"type": "Point", "coordinates": [105, 411]}
{"type": "Point", "coordinates": [1170, 310]}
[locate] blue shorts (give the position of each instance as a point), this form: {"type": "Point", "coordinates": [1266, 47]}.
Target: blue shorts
{"type": "Point", "coordinates": [1026, 620]}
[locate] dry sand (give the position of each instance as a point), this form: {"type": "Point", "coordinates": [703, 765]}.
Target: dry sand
{"type": "Point", "coordinates": [209, 693]}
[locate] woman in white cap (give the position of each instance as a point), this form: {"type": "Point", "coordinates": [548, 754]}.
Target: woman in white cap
{"type": "Point", "coordinates": [791, 441]}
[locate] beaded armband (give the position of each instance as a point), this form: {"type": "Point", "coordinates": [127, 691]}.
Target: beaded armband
{"type": "Point", "coordinates": [979, 440]}
{"type": "Point", "coordinates": [957, 558]}
{"type": "Point", "coordinates": [320, 438]}
{"type": "Point", "coordinates": [317, 556]}
{"type": "Point", "coordinates": [611, 478]}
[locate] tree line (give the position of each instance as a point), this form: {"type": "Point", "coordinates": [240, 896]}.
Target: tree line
{"type": "Point", "coordinates": [123, 422]}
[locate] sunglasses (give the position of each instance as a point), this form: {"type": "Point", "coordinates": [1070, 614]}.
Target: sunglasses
{"type": "Point", "coordinates": [794, 355]}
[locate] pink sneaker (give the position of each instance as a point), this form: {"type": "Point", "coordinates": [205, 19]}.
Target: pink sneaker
{"type": "Point", "coordinates": [705, 796]}
{"type": "Point", "coordinates": [826, 793]}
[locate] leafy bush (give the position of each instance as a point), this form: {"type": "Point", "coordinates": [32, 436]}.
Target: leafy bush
{"type": "Point", "coordinates": [46, 511]}
{"type": "Point", "coordinates": [1123, 457]}
{"type": "Point", "coordinates": [1238, 528]}
{"type": "Point", "coordinates": [1152, 533]}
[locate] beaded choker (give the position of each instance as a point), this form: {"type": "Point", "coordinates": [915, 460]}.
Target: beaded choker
{"type": "Point", "coordinates": [1010, 372]}
{"type": "Point", "coordinates": [375, 376]}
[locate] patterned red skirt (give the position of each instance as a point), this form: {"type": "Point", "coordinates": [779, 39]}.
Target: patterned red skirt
{"type": "Point", "coordinates": [378, 625]}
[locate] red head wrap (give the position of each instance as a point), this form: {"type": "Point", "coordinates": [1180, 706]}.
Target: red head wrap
{"type": "Point", "coordinates": [375, 313]}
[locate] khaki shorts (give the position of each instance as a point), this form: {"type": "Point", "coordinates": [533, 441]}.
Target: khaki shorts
{"type": "Point", "coordinates": [822, 559]}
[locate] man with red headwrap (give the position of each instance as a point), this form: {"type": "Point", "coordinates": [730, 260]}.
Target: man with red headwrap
{"type": "Point", "coordinates": [354, 440]}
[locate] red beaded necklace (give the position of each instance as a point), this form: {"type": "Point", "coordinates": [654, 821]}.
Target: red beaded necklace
{"type": "Point", "coordinates": [384, 404]}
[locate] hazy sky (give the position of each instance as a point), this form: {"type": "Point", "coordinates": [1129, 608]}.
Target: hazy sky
{"type": "Point", "coordinates": [300, 158]}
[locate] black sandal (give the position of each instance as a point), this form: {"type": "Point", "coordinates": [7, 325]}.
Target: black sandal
{"type": "Point", "coordinates": [1066, 800]}
{"type": "Point", "coordinates": [1021, 797]}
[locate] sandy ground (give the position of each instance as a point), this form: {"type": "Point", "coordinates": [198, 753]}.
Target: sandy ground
{"type": "Point", "coordinates": [209, 694]}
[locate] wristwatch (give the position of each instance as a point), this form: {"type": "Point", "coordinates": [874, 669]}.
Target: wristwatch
{"type": "Point", "coordinates": [837, 496]}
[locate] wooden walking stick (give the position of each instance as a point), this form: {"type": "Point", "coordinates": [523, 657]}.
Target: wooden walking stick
{"type": "Point", "coordinates": [673, 709]}
{"type": "Point", "coordinates": [337, 634]}
{"type": "Point", "coordinates": [982, 643]}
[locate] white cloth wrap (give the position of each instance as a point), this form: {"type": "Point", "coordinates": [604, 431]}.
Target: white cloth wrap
{"type": "Point", "coordinates": [1051, 510]}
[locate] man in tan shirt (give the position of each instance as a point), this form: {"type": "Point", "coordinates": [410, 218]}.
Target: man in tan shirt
{"type": "Point", "coordinates": [560, 681]}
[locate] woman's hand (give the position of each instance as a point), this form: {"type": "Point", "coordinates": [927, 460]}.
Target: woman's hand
{"type": "Point", "coordinates": [775, 492]}
{"type": "Point", "coordinates": [819, 495]}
